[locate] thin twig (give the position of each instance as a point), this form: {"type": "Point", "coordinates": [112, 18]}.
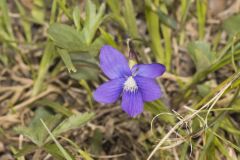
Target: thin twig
{"type": "Point", "coordinates": [33, 99]}
{"type": "Point", "coordinates": [189, 117]}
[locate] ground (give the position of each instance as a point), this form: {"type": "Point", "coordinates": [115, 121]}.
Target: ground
{"type": "Point", "coordinates": [49, 69]}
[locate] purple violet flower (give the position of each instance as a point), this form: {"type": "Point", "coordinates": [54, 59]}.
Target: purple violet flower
{"type": "Point", "coordinates": [136, 85]}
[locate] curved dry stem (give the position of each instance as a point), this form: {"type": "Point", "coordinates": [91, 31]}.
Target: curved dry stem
{"type": "Point", "coordinates": [164, 113]}
{"type": "Point", "coordinates": [210, 103]}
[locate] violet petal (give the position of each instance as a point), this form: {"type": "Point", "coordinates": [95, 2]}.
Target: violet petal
{"type": "Point", "coordinates": [109, 91]}
{"type": "Point", "coordinates": [149, 70]}
{"type": "Point", "coordinates": [132, 103]}
{"type": "Point", "coordinates": [113, 63]}
{"type": "Point", "coordinates": [149, 88]}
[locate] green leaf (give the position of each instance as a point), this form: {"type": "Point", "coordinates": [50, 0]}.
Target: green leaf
{"type": "Point", "coordinates": [201, 54]}
{"type": "Point", "coordinates": [93, 21]}
{"type": "Point", "coordinates": [26, 149]}
{"type": "Point", "coordinates": [66, 37]}
{"type": "Point", "coordinates": [96, 45]}
{"type": "Point", "coordinates": [77, 18]}
{"type": "Point", "coordinates": [29, 134]}
{"type": "Point", "coordinates": [231, 25]}
{"type": "Point", "coordinates": [36, 132]}
{"type": "Point", "coordinates": [87, 67]}
{"type": "Point", "coordinates": [84, 58]}
{"type": "Point", "coordinates": [85, 73]}
{"type": "Point", "coordinates": [72, 122]}
{"type": "Point", "coordinates": [66, 59]}
{"type": "Point", "coordinates": [54, 151]}
{"type": "Point", "coordinates": [55, 106]}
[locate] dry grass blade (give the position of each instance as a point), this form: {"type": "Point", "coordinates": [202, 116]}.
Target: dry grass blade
{"type": "Point", "coordinates": [211, 102]}
{"type": "Point", "coordinates": [33, 99]}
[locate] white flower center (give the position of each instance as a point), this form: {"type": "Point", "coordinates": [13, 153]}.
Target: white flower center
{"type": "Point", "coordinates": [130, 85]}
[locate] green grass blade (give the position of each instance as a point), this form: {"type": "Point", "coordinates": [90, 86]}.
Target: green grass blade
{"type": "Point", "coordinates": [201, 15]}
{"type": "Point", "coordinates": [6, 19]}
{"type": "Point", "coordinates": [130, 19]}
{"type": "Point", "coordinates": [64, 152]}
{"type": "Point", "coordinates": [47, 58]}
{"type": "Point", "coordinates": [25, 24]}
{"type": "Point", "coordinates": [154, 33]}
{"type": "Point", "coordinates": [167, 41]}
